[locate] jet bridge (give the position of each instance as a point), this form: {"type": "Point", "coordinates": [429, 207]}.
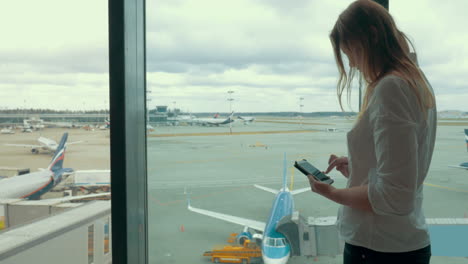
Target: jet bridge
{"type": "Point", "coordinates": [318, 236]}
{"type": "Point", "coordinates": [311, 236]}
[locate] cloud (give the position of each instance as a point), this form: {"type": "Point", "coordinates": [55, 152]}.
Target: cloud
{"type": "Point", "coordinates": [270, 52]}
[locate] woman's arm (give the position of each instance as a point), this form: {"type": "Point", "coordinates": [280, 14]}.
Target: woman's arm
{"type": "Point", "coordinates": [354, 197]}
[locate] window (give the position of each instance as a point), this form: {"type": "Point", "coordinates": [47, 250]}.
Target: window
{"type": "Point", "coordinates": [54, 127]}
{"type": "Point", "coordinates": [233, 86]}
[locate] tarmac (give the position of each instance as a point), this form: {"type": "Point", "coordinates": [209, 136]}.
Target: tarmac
{"type": "Point", "coordinates": [217, 167]}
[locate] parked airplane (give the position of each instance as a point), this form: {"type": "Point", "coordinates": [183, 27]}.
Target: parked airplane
{"type": "Point", "coordinates": [274, 245]}
{"type": "Point", "coordinates": [60, 124]}
{"type": "Point", "coordinates": [215, 121]}
{"type": "Point", "coordinates": [463, 165]}
{"type": "Point", "coordinates": [184, 119]}
{"type": "Point", "coordinates": [33, 185]}
{"type": "Point", "coordinates": [7, 131]}
{"type": "Point", "coordinates": [45, 144]}
{"type": "Point", "coordinates": [247, 119]}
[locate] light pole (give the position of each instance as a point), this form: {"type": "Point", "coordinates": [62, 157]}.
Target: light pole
{"type": "Point", "coordinates": [300, 108]}
{"type": "Point", "coordinates": [230, 99]}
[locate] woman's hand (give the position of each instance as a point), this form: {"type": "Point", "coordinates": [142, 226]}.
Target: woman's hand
{"type": "Point", "coordinates": [321, 188]}
{"type": "Point", "coordinates": [341, 165]}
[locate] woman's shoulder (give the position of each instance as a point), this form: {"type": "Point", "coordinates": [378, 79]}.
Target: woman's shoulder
{"type": "Point", "coordinates": [392, 78]}
{"type": "Point", "coordinates": [392, 84]}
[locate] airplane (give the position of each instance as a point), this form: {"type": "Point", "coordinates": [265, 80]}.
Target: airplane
{"type": "Point", "coordinates": [32, 185]}
{"type": "Point", "coordinates": [33, 124]}
{"type": "Point", "coordinates": [247, 119]}
{"type": "Point", "coordinates": [275, 247]}
{"type": "Point", "coordinates": [60, 124]}
{"type": "Point", "coordinates": [106, 125]}
{"type": "Point", "coordinates": [46, 144]}
{"type": "Point", "coordinates": [7, 131]}
{"type": "Point", "coordinates": [463, 165]}
{"type": "Point", "coordinates": [215, 121]}
{"type": "Point", "coordinates": [187, 119]}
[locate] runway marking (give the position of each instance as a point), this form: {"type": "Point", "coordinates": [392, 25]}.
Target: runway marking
{"type": "Point", "coordinates": [447, 188]}
{"type": "Point", "coordinates": [233, 133]}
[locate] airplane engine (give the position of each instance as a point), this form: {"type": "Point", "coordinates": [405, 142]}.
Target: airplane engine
{"type": "Point", "coordinates": [35, 151]}
{"type": "Point", "coordinates": [243, 236]}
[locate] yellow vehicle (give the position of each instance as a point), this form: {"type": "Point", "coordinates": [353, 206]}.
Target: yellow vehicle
{"type": "Point", "coordinates": [247, 253]}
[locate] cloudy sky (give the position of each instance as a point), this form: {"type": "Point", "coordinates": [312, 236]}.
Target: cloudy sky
{"type": "Point", "coordinates": [269, 53]}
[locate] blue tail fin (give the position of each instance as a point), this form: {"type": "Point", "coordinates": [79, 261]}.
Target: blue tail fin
{"type": "Point", "coordinates": [285, 169]}
{"type": "Point", "coordinates": [57, 161]}
{"type": "Point", "coordinates": [466, 138]}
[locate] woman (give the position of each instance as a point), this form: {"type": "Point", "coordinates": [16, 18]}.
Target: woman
{"type": "Point", "coordinates": [390, 146]}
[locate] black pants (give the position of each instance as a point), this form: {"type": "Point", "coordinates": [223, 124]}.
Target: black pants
{"type": "Point", "coordinates": [361, 255]}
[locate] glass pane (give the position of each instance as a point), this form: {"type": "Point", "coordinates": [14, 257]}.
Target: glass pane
{"type": "Point", "coordinates": [91, 244]}
{"type": "Point", "coordinates": [233, 86]}
{"type": "Point", "coordinates": [54, 128]}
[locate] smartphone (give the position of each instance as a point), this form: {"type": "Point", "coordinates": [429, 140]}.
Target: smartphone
{"type": "Point", "coordinates": [305, 167]}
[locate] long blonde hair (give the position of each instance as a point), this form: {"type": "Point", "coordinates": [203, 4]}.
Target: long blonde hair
{"type": "Point", "coordinates": [368, 27]}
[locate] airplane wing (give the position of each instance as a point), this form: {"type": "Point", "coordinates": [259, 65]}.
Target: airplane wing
{"type": "Point", "coordinates": [257, 225]}
{"type": "Point", "coordinates": [24, 145]}
{"type": "Point", "coordinates": [266, 189]}
{"type": "Point", "coordinates": [458, 167]}
{"type": "Point", "coordinates": [298, 191]}
{"type": "Point", "coordinates": [74, 142]}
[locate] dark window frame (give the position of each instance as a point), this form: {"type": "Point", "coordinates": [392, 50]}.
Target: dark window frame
{"type": "Point", "coordinates": [127, 80]}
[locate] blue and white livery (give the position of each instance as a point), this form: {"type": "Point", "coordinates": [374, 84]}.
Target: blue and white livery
{"type": "Point", "coordinates": [31, 186]}
{"type": "Point", "coordinates": [275, 247]}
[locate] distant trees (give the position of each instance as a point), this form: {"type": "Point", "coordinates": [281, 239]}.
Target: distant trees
{"type": "Point", "coordinates": [38, 111]}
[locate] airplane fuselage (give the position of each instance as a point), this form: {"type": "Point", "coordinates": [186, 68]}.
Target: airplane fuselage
{"type": "Point", "coordinates": [29, 186]}
{"type": "Point", "coordinates": [275, 249]}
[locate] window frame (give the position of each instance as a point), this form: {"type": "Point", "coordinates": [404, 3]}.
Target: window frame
{"type": "Point", "coordinates": [127, 81]}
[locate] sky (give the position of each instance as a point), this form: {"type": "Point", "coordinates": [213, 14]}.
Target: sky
{"type": "Point", "coordinates": [268, 53]}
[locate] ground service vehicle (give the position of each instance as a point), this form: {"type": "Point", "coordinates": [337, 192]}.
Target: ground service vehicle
{"type": "Point", "coordinates": [247, 253]}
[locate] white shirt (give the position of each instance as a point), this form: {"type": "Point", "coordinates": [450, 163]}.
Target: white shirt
{"type": "Point", "coordinates": [390, 149]}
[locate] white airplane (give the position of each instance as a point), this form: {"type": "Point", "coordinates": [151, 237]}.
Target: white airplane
{"type": "Point", "coordinates": [45, 144]}
{"type": "Point", "coordinates": [463, 165]}
{"type": "Point", "coordinates": [215, 121]}
{"type": "Point", "coordinates": [106, 125]}
{"type": "Point", "coordinates": [247, 119]}
{"type": "Point", "coordinates": [33, 124]}
{"type": "Point", "coordinates": [7, 131]}
{"type": "Point", "coordinates": [60, 124]}
{"type": "Point", "coordinates": [275, 247]}
{"type": "Point", "coordinates": [33, 185]}
{"type": "Point", "coordinates": [187, 119]}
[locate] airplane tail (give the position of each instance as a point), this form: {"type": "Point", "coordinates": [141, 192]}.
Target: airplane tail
{"type": "Point", "coordinates": [466, 138]}
{"type": "Point", "coordinates": [231, 116]}
{"type": "Point", "coordinates": [57, 161]}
